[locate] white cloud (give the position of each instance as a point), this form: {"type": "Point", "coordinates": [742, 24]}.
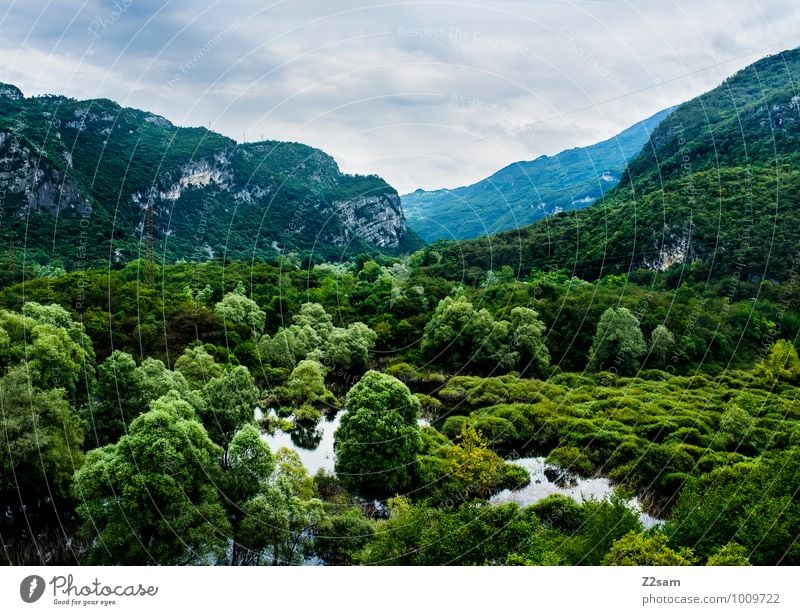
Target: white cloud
{"type": "Point", "coordinates": [431, 95]}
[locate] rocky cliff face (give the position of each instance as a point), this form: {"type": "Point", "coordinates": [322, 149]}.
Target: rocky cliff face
{"type": "Point", "coordinates": [378, 220]}
{"type": "Point", "coordinates": [91, 169]}
{"type": "Point", "coordinates": [42, 188]}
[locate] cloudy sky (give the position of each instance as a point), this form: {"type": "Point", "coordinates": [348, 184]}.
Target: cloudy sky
{"type": "Point", "coordinates": [426, 94]}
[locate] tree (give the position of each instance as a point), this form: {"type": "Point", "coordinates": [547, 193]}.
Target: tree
{"type": "Point", "coordinates": [478, 470]}
{"type": "Point", "coordinates": [647, 549]}
{"type": "Point", "coordinates": [157, 380]}
{"type": "Point", "coordinates": [240, 310]}
{"type": "Point", "coordinates": [282, 519]}
{"type": "Point", "coordinates": [661, 344]}
{"type": "Point", "coordinates": [250, 465]}
{"type": "Point", "coordinates": [313, 318]}
{"type": "Point", "coordinates": [378, 438]}
{"type": "Point", "coordinates": [230, 403]}
{"type": "Point", "coordinates": [152, 498]}
{"type": "Point", "coordinates": [42, 441]}
{"type": "Point", "coordinates": [731, 554]}
{"type": "Point", "coordinates": [618, 342]}
{"type": "Point", "coordinates": [280, 350]}
{"type": "Point", "coordinates": [753, 503]}
{"type": "Point", "coordinates": [341, 536]}
{"type": "Point", "coordinates": [349, 348]}
{"type": "Point", "coordinates": [118, 397]}
{"type": "Point", "coordinates": [527, 338]}
{"type": "Point", "coordinates": [735, 428]}
{"type": "Point", "coordinates": [247, 475]}
{"type": "Point", "coordinates": [306, 385]}
{"type": "Point", "coordinates": [780, 365]}
{"type": "Point", "coordinates": [197, 366]}
{"type": "Point", "coordinates": [457, 334]}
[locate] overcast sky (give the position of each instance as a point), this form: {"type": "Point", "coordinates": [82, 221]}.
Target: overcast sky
{"type": "Point", "coordinates": [426, 94]}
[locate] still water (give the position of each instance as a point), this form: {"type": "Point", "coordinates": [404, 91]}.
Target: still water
{"type": "Point", "coordinates": [314, 445]}
{"type": "Point", "coordinates": [547, 480]}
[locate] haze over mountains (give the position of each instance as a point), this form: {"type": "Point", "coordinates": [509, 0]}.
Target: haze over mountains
{"type": "Point", "coordinates": [718, 190]}
{"type": "Point", "coordinates": [523, 192]}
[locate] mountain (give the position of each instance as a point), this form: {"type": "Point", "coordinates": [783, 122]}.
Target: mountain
{"type": "Point", "coordinates": [716, 193]}
{"type": "Point", "coordinates": [77, 177]}
{"type": "Point", "coordinates": [524, 192]}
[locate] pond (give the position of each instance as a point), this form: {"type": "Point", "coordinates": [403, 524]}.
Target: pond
{"type": "Point", "coordinates": [314, 445]}
{"type": "Point", "coordinates": [547, 479]}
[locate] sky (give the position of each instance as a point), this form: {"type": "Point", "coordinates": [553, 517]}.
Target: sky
{"type": "Point", "coordinates": [426, 94]}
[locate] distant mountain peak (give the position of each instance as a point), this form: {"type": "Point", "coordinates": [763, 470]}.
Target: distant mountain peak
{"type": "Point", "coordinates": [515, 196]}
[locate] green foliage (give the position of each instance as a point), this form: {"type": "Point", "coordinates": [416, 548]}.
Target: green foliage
{"type": "Point", "coordinates": [306, 385]}
{"type": "Point", "coordinates": [250, 465]}
{"type": "Point", "coordinates": [378, 438]}
{"type": "Point", "coordinates": [197, 366]}
{"type": "Point", "coordinates": [119, 397]}
{"type": "Point", "coordinates": [662, 343]}
{"type": "Point", "coordinates": [780, 365]}
{"type": "Point", "coordinates": [416, 534]}
{"type": "Point", "coordinates": [42, 447]}
{"type": "Point", "coordinates": [458, 335]}
{"type": "Point", "coordinates": [731, 554]}
{"type": "Point", "coordinates": [341, 536]}
{"type": "Point", "coordinates": [572, 459]}
{"type": "Point", "coordinates": [751, 503]}
{"type": "Point", "coordinates": [647, 549]}
{"type": "Point", "coordinates": [231, 400]}
{"type": "Point", "coordinates": [151, 497]}
{"type": "Point", "coordinates": [618, 342]}
{"type": "Point", "coordinates": [527, 338]}
{"type": "Point", "coordinates": [239, 310]}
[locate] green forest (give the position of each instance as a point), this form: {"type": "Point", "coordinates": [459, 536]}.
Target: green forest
{"type": "Point", "coordinates": [340, 401]}
{"type": "Point", "coordinates": [131, 437]}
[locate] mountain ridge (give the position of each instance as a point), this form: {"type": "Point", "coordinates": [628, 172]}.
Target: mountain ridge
{"type": "Point", "coordinates": [522, 192]}
{"type": "Point", "coordinates": [72, 168]}
{"type": "Point", "coordinates": [714, 196]}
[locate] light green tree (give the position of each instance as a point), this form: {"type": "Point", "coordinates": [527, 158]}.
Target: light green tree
{"type": "Point", "coordinates": [306, 385]}
{"type": "Point", "coordinates": [197, 366]}
{"type": "Point", "coordinates": [240, 310]}
{"type": "Point", "coordinates": [527, 335]}
{"type": "Point", "coordinates": [731, 554]}
{"type": "Point", "coordinates": [780, 365]}
{"type": "Point", "coordinates": [618, 342]}
{"type": "Point", "coordinates": [349, 348]}
{"type": "Point", "coordinates": [661, 344]}
{"type": "Point", "coordinates": [42, 442]}
{"type": "Point", "coordinates": [118, 398]}
{"type": "Point", "coordinates": [647, 549]}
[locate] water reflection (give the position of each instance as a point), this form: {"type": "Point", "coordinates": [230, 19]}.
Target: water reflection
{"type": "Point", "coordinates": [547, 480]}
{"type": "Point", "coordinates": [314, 444]}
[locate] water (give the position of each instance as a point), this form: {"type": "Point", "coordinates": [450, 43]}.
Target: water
{"type": "Point", "coordinates": [314, 445]}
{"type": "Point", "coordinates": [547, 480]}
